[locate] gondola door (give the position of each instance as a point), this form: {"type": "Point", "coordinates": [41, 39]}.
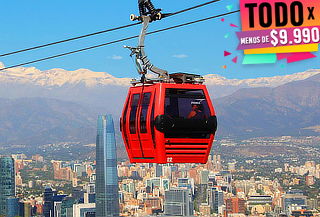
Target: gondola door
{"type": "Point", "coordinates": [144, 123]}
{"type": "Point", "coordinates": [132, 114]}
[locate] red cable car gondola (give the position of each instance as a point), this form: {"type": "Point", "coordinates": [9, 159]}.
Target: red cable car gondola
{"type": "Point", "coordinates": [169, 119]}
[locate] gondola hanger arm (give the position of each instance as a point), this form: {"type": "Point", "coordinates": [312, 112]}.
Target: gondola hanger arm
{"type": "Point", "coordinates": [147, 14]}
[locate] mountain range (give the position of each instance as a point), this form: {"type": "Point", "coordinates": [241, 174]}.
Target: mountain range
{"type": "Point", "coordinates": [40, 107]}
{"type": "Point", "coordinates": [289, 109]}
{"type": "Point", "coordinates": [90, 79]}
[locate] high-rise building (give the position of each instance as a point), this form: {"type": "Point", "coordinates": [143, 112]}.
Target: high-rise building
{"type": "Point", "coordinates": [201, 195]}
{"type": "Point", "coordinates": [25, 209]}
{"type": "Point", "coordinates": [52, 202]}
{"type": "Point", "coordinates": [215, 199]}
{"type": "Point", "coordinates": [165, 184]}
{"type": "Point", "coordinates": [48, 202]}
{"type": "Point", "coordinates": [310, 180]}
{"type": "Point", "coordinates": [178, 202]}
{"type": "Point", "coordinates": [90, 195]}
{"type": "Point", "coordinates": [67, 206]}
{"type": "Point", "coordinates": [12, 207]}
{"type": "Point", "coordinates": [7, 182]}
{"type": "Point", "coordinates": [204, 177]}
{"type": "Point", "coordinates": [217, 162]}
{"type": "Point", "coordinates": [84, 210]}
{"type": "Point", "coordinates": [235, 205]}
{"type": "Point", "coordinates": [186, 183]}
{"type": "Point", "coordinates": [107, 199]}
{"type": "Point", "coordinates": [155, 183]}
{"type": "Point", "coordinates": [57, 208]}
{"type": "Point", "coordinates": [294, 200]}
{"type": "Point", "coordinates": [61, 173]}
{"type": "Point", "coordinates": [158, 170]}
{"type": "Point", "coordinates": [80, 170]}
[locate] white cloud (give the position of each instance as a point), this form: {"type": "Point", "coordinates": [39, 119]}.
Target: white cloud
{"type": "Point", "coordinates": [180, 56]}
{"type": "Point", "coordinates": [116, 57]}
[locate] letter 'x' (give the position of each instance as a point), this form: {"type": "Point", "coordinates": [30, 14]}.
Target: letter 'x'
{"type": "Point", "coordinates": [311, 16]}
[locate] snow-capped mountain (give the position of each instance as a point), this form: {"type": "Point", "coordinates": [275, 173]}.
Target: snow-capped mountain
{"type": "Point", "coordinates": [70, 115]}
{"type": "Point", "coordinates": [212, 79]}
{"type": "Point", "coordinates": [61, 77]}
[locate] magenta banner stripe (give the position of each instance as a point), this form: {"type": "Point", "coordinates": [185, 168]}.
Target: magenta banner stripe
{"type": "Point", "coordinates": [258, 38]}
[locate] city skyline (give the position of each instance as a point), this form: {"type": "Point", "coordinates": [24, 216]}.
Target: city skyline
{"type": "Point", "coordinates": [223, 187]}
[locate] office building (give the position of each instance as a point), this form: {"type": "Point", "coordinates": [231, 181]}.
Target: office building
{"type": "Point", "coordinates": [255, 203]}
{"type": "Point", "coordinates": [107, 198]}
{"type": "Point", "coordinates": [7, 182]}
{"type": "Point", "coordinates": [12, 207]}
{"type": "Point", "coordinates": [294, 200]}
{"type": "Point", "coordinates": [204, 177]}
{"type": "Point", "coordinates": [67, 206]}
{"type": "Point", "coordinates": [186, 183]}
{"type": "Point", "coordinates": [154, 183]}
{"type": "Point", "coordinates": [25, 209]}
{"type": "Point", "coordinates": [158, 170]}
{"type": "Point", "coordinates": [235, 205]}
{"type": "Point", "coordinates": [165, 184]}
{"type": "Point", "coordinates": [84, 210]}
{"type": "Point", "coordinates": [215, 199]}
{"type": "Point", "coordinates": [178, 202]}
{"type": "Point", "coordinates": [48, 202]}
{"type": "Point", "coordinates": [57, 208]}
{"type": "Point", "coordinates": [310, 180]}
{"type": "Point", "coordinates": [52, 202]}
{"type": "Point", "coordinates": [90, 194]}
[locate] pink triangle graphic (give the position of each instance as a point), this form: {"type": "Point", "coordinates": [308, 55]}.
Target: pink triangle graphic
{"type": "Point", "coordinates": [226, 53]}
{"type": "Point", "coordinates": [235, 60]}
{"type": "Point", "coordinates": [300, 56]}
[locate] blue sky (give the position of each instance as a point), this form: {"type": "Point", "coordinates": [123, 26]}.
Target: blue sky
{"type": "Point", "coordinates": [197, 48]}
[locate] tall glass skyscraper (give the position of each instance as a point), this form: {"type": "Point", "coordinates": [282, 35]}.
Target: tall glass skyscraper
{"type": "Point", "coordinates": [107, 199]}
{"type": "Point", "coordinates": [7, 182]}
